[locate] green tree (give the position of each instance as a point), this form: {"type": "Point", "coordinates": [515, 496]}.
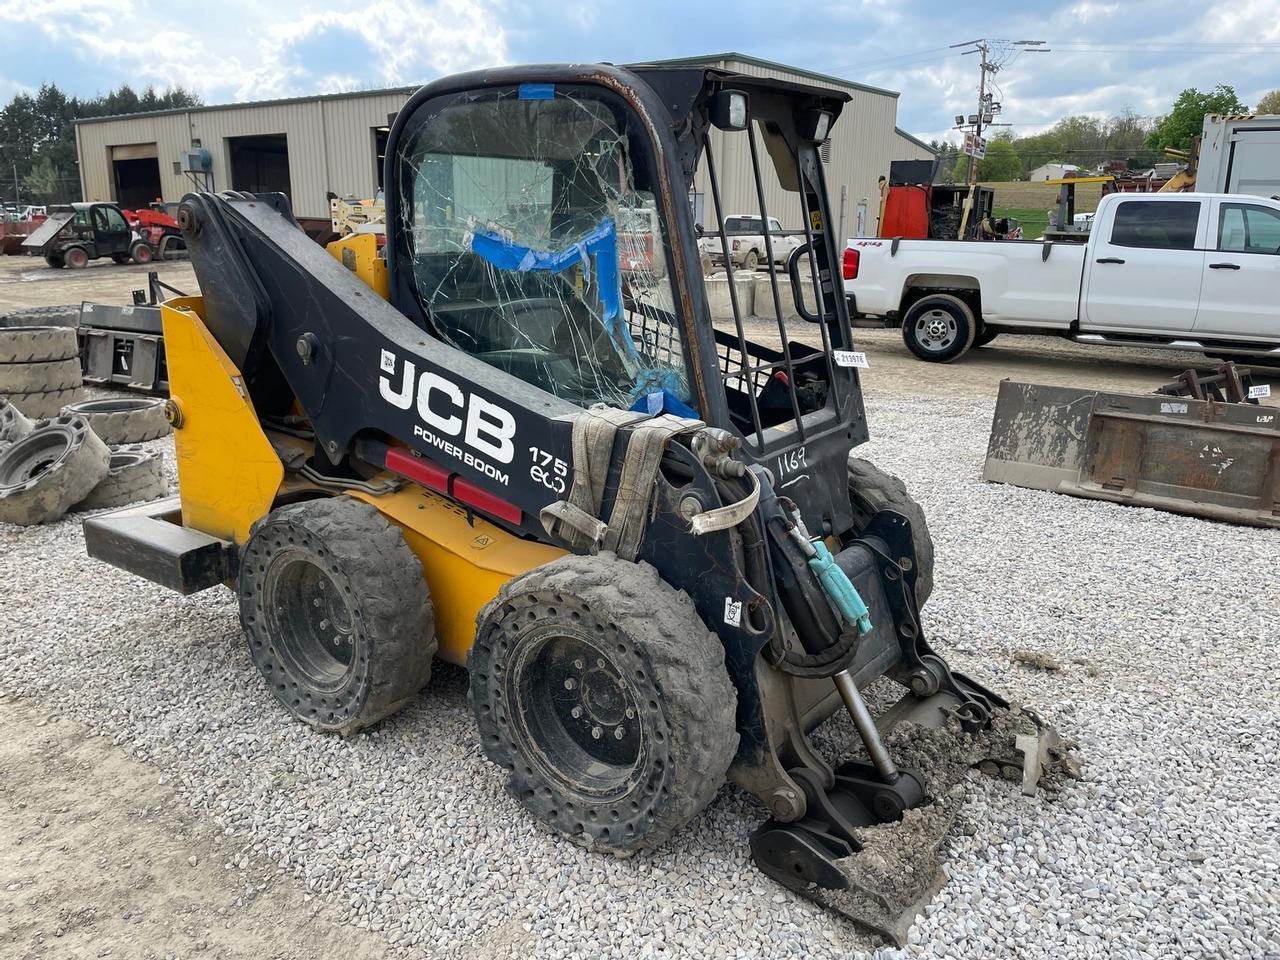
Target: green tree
{"type": "Point", "coordinates": [1270, 103]}
{"type": "Point", "coordinates": [947, 153]}
{"type": "Point", "coordinates": [45, 181]}
{"type": "Point", "coordinates": [1184, 121]}
{"type": "Point", "coordinates": [1001, 162]}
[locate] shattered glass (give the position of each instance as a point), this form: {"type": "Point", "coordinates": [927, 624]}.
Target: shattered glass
{"type": "Point", "coordinates": [535, 245]}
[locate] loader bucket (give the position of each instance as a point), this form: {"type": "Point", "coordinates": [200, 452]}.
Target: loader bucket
{"type": "Point", "coordinates": [1203, 458]}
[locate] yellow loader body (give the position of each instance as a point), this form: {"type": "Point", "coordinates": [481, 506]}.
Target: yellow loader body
{"type": "Point", "coordinates": [230, 473]}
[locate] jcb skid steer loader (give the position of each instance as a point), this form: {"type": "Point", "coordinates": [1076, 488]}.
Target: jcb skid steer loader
{"type": "Point", "coordinates": [521, 436]}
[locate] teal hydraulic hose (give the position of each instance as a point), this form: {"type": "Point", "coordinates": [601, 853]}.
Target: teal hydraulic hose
{"type": "Point", "coordinates": [839, 587]}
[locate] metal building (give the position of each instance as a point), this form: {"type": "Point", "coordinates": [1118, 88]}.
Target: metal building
{"type": "Point", "coordinates": [309, 147]}
{"type": "Point", "coordinates": [305, 147]}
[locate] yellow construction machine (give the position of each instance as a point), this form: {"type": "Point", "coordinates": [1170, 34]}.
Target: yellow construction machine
{"type": "Point", "coordinates": [505, 442]}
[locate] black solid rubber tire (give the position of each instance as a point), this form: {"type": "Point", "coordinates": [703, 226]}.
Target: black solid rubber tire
{"type": "Point", "coordinates": [41, 377]}
{"type": "Point", "coordinates": [133, 475]}
{"type": "Point", "coordinates": [960, 312]}
{"type": "Point", "coordinates": [14, 424]}
{"type": "Point", "coordinates": [44, 403]}
{"type": "Point", "coordinates": [37, 344]}
{"type": "Point", "coordinates": [674, 675]}
{"type": "Point", "coordinates": [51, 469]}
{"type": "Point", "coordinates": [55, 262]}
{"type": "Point", "coordinates": [67, 315]}
{"type": "Point", "coordinates": [383, 591]}
{"type": "Point", "coordinates": [872, 490]}
{"type": "Point", "coordinates": [120, 258]}
{"type": "Point", "coordinates": [121, 420]}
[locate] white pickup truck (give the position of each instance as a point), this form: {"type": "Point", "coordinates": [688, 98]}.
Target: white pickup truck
{"type": "Point", "coordinates": [747, 249]}
{"type": "Point", "coordinates": [1192, 271]}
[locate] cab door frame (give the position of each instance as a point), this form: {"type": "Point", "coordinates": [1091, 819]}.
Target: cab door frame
{"type": "Point", "coordinates": [1238, 297]}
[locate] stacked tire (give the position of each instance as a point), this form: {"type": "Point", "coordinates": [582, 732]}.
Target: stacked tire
{"type": "Point", "coordinates": [39, 369]}
{"type": "Point", "coordinates": [66, 315]}
{"type": "Point", "coordinates": [49, 470]}
{"type": "Point", "coordinates": [133, 473]}
{"type": "Point", "coordinates": [52, 466]}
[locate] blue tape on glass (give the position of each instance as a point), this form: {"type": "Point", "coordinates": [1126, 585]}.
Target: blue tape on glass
{"type": "Point", "coordinates": [537, 91]}
{"type": "Point", "coordinates": [601, 243]}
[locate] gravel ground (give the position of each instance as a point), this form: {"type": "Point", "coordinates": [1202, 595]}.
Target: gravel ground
{"type": "Point", "coordinates": [1167, 848]}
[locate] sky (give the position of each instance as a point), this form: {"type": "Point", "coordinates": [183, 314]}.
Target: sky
{"type": "Point", "coordinates": [1103, 57]}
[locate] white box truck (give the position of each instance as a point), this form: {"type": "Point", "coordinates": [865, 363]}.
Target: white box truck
{"type": "Point", "coordinates": [1240, 155]}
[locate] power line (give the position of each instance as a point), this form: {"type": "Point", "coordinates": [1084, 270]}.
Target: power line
{"type": "Point", "coordinates": [882, 60]}
{"type": "Point", "coordinates": [1147, 44]}
{"type": "Point", "coordinates": [931, 54]}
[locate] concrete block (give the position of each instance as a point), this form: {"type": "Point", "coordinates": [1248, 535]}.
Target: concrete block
{"type": "Point", "coordinates": [718, 296]}
{"type": "Point", "coordinates": [764, 296]}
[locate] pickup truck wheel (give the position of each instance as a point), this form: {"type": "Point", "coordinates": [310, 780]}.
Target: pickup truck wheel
{"type": "Point", "coordinates": [939, 328]}
{"type": "Point", "coordinates": [750, 261]}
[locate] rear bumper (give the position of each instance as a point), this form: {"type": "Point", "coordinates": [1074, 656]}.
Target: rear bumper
{"type": "Point", "coordinates": [150, 541]}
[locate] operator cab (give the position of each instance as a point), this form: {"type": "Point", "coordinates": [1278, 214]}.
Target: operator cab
{"type": "Point", "coordinates": [546, 228]}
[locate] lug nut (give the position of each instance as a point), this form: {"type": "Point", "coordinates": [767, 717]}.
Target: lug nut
{"type": "Point", "coordinates": [596, 733]}
{"type": "Point", "coordinates": [570, 683]}
{"type": "Point", "coordinates": [576, 713]}
{"type": "Point", "coordinates": [631, 714]}
{"type": "Point", "coordinates": [579, 664]}
{"type": "Point", "coordinates": [619, 733]}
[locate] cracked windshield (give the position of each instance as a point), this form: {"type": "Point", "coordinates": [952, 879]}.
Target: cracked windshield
{"type": "Point", "coordinates": [535, 245]}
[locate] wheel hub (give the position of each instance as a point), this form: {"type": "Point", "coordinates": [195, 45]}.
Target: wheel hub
{"type": "Point", "coordinates": [570, 699]}
{"type": "Point", "coordinates": [312, 621]}
{"type": "Point", "coordinates": [936, 329]}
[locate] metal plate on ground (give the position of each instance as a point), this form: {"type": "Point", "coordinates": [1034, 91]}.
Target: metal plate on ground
{"type": "Point", "coordinates": [1199, 457]}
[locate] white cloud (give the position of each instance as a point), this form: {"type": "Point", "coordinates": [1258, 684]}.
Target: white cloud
{"type": "Point", "coordinates": [400, 42]}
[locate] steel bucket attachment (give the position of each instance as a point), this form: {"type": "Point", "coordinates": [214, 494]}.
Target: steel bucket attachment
{"type": "Point", "coordinates": [1204, 458]}
{"type": "Point", "coordinates": [870, 850]}
{"type": "Point", "coordinates": [863, 840]}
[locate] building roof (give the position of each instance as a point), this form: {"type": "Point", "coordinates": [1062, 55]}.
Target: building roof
{"type": "Point", "coordinates": [774, 65]}
{"type": "Point", "coordinates": [706, 58]}
{"type": "Point", "coordinates": [916, 140]}
{"type": "Point", "coordinates": [281, 102]}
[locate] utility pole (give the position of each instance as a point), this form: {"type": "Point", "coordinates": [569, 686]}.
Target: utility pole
{"type": "Point", "coordinates": [988, 107]}
{"type": "Point", "coordinates": [971, 167]}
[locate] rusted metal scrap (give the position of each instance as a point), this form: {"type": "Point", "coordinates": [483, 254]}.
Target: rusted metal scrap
{"type": "Point", "coordinates": [1205, 458]}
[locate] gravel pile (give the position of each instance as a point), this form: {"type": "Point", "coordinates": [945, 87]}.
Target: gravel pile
{"type": "Point", "coordinates": [1167, 679]}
